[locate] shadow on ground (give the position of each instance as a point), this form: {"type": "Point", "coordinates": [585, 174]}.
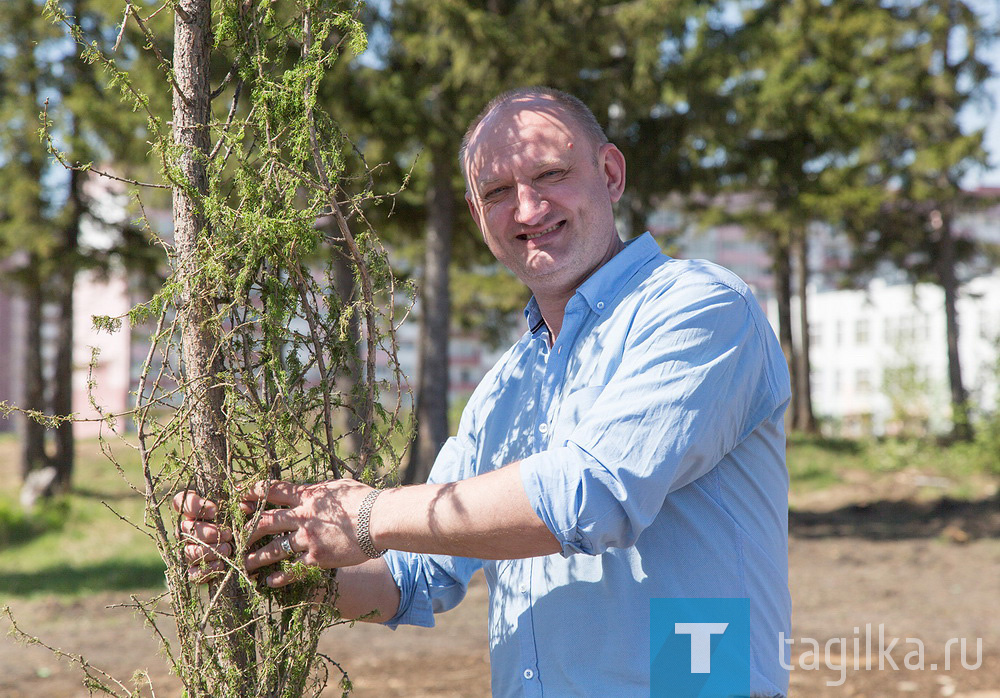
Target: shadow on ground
{"type": "Point", "coordinates": [101, 576]}
{"type": "Point", "coordinates": [958, 520]}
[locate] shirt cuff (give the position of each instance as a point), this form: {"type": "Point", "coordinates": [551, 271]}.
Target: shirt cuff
{"type": "Point", "coordinates": [414, 607]}
{"type": "Point", "coordinates": [578, 499]}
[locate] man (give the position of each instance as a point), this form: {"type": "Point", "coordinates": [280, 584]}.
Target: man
{"type": "Point", "coordinates": [629, 447]}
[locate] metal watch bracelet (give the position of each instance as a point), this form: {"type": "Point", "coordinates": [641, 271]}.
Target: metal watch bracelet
{"type": "Point", "coordinates": [364, 519]}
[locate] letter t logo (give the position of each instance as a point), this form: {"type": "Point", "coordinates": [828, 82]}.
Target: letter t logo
{"type": "Point", "coordinates": [701, 643]}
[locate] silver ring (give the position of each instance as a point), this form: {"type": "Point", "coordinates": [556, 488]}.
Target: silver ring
{"type": "Point", "coordinates": [286, 545]}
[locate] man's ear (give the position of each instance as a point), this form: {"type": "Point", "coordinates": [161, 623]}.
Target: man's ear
{"type": "Point", "coordinates": [612, 162]}
{"type": "Point", "coordinates": [474, 211]}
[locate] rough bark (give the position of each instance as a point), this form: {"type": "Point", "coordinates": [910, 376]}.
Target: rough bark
{"type": "Point", "coordinates": [435, 312]}
{"type": "Point", "coordinates": [961, 422]}
{"type": "Point", "coordinates": [804, 419]}
{"type": "Point", "coordinates": [199, 345]}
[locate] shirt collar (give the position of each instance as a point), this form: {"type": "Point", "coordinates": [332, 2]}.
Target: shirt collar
{"type": "Point", "coordinates": [603, 285]}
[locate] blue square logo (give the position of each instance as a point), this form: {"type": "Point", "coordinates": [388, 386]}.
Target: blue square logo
{"type": "Point", "coordinates": [699, 648]}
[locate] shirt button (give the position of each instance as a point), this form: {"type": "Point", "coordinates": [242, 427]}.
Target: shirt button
{"type": "Point", "coordinates": [524, 588]}
{"type": "Point", "coordinates": [543, 427]}
{"type": "Point", "coordinates": [529, 674]}
{"type": "Point", "coordinates": [600, 305]}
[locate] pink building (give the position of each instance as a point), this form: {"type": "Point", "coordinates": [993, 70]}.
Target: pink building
{"type": "Point", "coordinates": [111, 367]}
{"type": "Point", "coordinates": [93, 295]}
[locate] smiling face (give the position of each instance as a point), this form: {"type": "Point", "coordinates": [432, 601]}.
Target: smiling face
{"type": "Point", "coordinates": [541, 192]}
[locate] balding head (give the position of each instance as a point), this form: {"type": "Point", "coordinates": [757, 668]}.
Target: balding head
{"type": "Point", "coordinates": [568, 106]}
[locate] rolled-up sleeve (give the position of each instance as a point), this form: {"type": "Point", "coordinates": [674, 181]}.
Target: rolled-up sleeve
{"type": "Point", "coordinates": [428, 584]}
{"type": "Point", "coordinates": [695, 378]}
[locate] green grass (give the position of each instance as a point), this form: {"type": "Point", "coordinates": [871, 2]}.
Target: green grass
{"type": "Point", "coordinates": [817, 462]}
{"type": "Point", "coordinates": [75, 545]}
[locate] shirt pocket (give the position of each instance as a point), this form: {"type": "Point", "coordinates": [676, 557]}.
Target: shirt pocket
{"type": "Point", "coordinates": [572, 411]}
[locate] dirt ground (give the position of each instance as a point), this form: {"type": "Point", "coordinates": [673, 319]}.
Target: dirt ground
{"type": "Point", "coordinates": [926, 568]}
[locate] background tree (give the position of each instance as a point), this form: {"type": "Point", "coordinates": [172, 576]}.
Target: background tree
{"type": "Point", "coordinates": [23, 224]}
{"type": "Point", "coordinates": [923, 160]}
{"type": "Point", "coordinates": [813, 90]}
{"type": "Point", "coordinates": [47, 207]}
{"type": "Point", "coordinates": [436, 64]}
{"type": "Point", "coordinates": [240, 385]}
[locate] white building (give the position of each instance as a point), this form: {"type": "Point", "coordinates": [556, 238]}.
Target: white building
{"type": "Point", "coordinates": [880, 360]}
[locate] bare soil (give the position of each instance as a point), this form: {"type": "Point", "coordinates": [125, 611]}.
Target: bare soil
{"type": "Point", "coordinates": [926, 568]}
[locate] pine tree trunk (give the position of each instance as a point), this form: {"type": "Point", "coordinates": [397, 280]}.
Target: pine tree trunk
{"type": "Point", "coordinates": [435, 312]}
{"type": "Point", "coordinates": [191, 112]}
{"type": "Point", "coordinates": [62, 390]}
{"type": "Point", "coordinates": [804, 419]}
{"type": "Point", "coordinates": [33, 452]}
{"type": "Point", "coordinates": [961, 422]}
{"type": "Point", "coordinates": [33, 456]}
{"type": "Point", "coordinates": [781, 261]}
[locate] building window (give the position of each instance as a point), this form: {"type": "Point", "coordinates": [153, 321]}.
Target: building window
{"type": "Point", "coordinates": [815, 335]}
{"type": "Point", "coordinates": [861, 331]}
{"type": "Point", "coordinates": [863, 381]}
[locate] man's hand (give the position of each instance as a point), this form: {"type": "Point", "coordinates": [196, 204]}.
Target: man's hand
{"type": "Point", "coordinates": [317, 523]}
{"type": "Point", "coordinates": [487, 516]}
{"type": "Point", "coordinates": [207, 543]}
{"type": "Point", "coordinates": [313, 524]}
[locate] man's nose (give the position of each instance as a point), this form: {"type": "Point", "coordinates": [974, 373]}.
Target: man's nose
{"type": "Point", "coordinates": [531, 207]}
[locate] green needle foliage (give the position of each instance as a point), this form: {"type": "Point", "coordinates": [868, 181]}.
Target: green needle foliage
{"type": "Point", "coordinates": [254, 372]}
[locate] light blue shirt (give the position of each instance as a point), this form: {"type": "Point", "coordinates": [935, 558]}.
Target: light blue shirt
{"type": "Point", "coordinates": [651, 444]}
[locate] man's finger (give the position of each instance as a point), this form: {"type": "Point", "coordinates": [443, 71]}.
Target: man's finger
{"type": "Point", "coordinates": [200, 574]}
{"type": "Point", "coordinates": [280, 578]}
{"type": "Point", "coordinates": [205, 532]}
{"type": "Point", "coordinates": [274, 521]}
{"type": "Point", "coordinates": [194, 506]}
{"type": "Point", "coordinates": [263, 556]}
{"type": "Point", "coordinates": [284, 494]}
{"type": "Point", "coordinates": [200, 552]}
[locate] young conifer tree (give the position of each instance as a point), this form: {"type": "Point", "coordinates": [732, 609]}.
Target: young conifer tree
{"type": "Point", "coordinates": [253, 329]}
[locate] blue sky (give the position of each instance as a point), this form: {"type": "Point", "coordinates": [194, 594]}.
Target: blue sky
{"type": "Point", "coordinates": [989, 115]}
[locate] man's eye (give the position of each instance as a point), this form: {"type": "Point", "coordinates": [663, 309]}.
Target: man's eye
{"type": "Point", "coordinates": [494, 192]}
{"type": "Point", "coordinates": [552, 173]}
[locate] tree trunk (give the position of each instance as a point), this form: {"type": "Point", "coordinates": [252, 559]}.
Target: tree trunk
{"type": "Point", "coordinates": [33, 452]}
{"type": "Point", "coordinates": [804, 419]}
{"type": "Point", "coordinates": [33, 456]}
{"type": "Point", "coordinates": [781, 261]}
{"type": "Point", "coordinates": [961, 422]}
{"type": "Point", "coordinates": [62, 390]}
{"type": "Point", "coordinates": [199, 343]}
{"type": "Point", "coordinates": [435, 311]}
{"type": "Point", "coordinates": [359, 410]}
